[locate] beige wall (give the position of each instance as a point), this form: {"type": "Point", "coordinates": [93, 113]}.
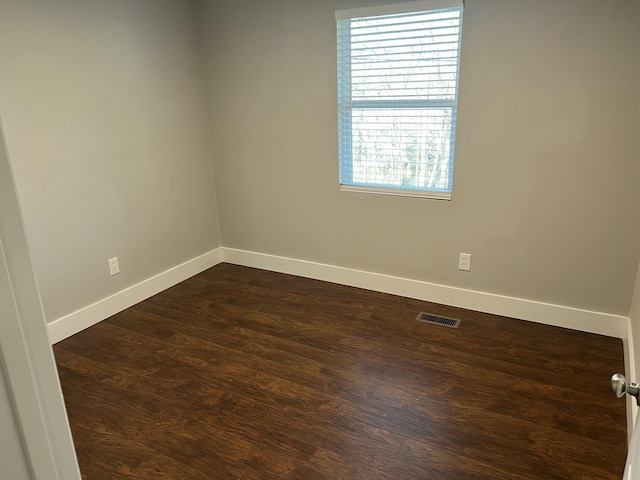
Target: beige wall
{"type": "Point", "coordinates": [547, 161]}
{"type": "Point", "coordinates": [106, 126]}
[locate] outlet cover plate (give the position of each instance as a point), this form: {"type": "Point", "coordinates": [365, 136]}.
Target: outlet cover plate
{"type": "Point", "coordinates": [114, 267]}
{"type": "Point", "coordinates": [464, 262]}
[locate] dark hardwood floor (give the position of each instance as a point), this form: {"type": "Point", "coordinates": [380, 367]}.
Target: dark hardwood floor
{"type": "Point", "coordinates": [240, 373]}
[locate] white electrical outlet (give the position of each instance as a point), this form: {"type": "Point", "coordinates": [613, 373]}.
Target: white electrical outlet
{"type": "Point", "coordinates": [464, 262]}
{"type": "Point", "coordinates": [114, 267]}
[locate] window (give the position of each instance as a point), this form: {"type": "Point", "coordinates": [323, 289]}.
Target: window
{"type": "Point", "coordinates": [397, 97]}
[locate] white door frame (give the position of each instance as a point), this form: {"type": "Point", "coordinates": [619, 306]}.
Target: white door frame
{"type": "Point", "coordinates": [25, 353]}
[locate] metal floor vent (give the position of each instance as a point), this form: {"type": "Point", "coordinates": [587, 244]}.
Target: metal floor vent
{"type": "Point", "coordinates": [438, 320]}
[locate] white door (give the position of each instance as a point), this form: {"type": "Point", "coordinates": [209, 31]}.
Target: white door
{"type": "Point", "coordinates": [12, 454]}
{"type": "Point", "coordinates": [631, 470]}
{"type": "Point", "coordinates": [36, 440]}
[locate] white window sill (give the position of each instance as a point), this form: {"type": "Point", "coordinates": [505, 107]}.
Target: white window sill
{"type": "Point", "coordinates": [398, 192]}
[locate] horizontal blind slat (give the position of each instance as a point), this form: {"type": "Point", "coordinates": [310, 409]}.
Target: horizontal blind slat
{"type": "Point", "coordinates": [399, 9]}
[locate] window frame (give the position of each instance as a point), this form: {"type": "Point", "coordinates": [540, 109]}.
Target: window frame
{"type": "Point", "coordinates": [346, 105]}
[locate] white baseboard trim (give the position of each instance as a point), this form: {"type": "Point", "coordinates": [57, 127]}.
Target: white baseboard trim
{"type": "Point", "coordinates": [540, 312]}
{"type": "Point", "coordinates": [77, 321]}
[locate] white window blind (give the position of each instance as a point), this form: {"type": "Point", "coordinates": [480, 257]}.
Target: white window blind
{"type": "Point", "coordinates": [397, 97]}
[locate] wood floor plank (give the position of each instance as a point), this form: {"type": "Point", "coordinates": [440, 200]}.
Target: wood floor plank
{"type": "Point", "coordinates": [239, 373]}
{"type": "Point", "coordinates": [117, 418]}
